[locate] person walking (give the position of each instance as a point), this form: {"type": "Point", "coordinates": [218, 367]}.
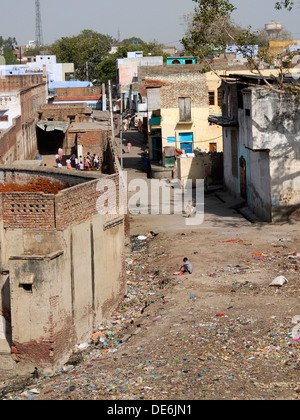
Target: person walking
{"type": "Point", "coordinates": [129, 145]}
{"type": "Point", "coordinates": [60, 154]}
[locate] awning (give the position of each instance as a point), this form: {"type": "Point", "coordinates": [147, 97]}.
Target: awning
{"type": "Point", "coordinates": [53, 125]}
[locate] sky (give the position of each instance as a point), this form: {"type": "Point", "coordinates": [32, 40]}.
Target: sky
{"type": "Point", "coordinates": [160, 20]}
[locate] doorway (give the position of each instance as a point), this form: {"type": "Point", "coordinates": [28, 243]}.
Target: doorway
{"type": "Point", "coordinates": [186, 142]}
{"type": "Point", "coordinates": [243, 178]}
{"type": "Point", "coordinates": [49, 141]}
{"type": "Point", "coordinates": [213, 147]}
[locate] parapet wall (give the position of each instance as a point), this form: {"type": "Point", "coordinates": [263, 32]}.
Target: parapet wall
{"type": "Point", "coordinates": [20, 82]}
{"type": "Point", "coordinates": [70, 200]}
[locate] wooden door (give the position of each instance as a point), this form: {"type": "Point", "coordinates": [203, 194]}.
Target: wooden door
{"type": "Point", "coordinates": [213, 147]}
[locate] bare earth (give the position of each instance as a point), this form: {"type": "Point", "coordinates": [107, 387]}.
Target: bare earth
{"type": "Point", "coordinates": [222, 333]}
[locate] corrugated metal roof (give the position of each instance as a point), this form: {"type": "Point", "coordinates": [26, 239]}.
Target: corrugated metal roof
{"type": "Point", "coordinates": [53, 125]}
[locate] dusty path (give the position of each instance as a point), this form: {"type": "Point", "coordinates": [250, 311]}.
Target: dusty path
{"type": "Point", "coordinates": [220, 333]}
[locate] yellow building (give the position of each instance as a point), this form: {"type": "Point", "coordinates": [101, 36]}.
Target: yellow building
{"type": "Point", "coordinates": [179, 106]}
{"type": "Point", "coordinates": [277, 47]}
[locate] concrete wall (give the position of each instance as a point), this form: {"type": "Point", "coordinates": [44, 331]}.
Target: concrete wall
{"type": "Point", "coordinates": [201, 167]}
{"type": "Point", "coordinates": [25, 94]}
{"type": "Point", "coordinates": [74, 288]}
{"type": "Point", "coordinates": [60, 280]}
{"type": "Point", "coordinates": [276, 127]}
{"type": "Point", "coordinates": [11, 103]}
{"type": "Point", "coordinates": [258, 182]}
{"type": "Point", "coordinates": [268, 138]}
{"type": "Point", "coordinates": [128, 67]}
{"type": "Point", "coordinates": [192, 168]}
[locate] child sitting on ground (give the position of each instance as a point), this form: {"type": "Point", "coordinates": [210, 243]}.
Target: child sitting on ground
{"type": "Point", "coordinates": [187, 267]}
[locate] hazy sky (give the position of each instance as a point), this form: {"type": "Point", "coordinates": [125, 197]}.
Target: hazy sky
{"type": "Point", "coordinates": [161, 20]}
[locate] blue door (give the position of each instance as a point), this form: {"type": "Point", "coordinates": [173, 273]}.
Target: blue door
{"type": "Point", "coordinates": [186, 142]}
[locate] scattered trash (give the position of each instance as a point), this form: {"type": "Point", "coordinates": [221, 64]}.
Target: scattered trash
{"type": "Point", "coordinates": [82, 346]}
{"type": "Point", "coordinates": [202, 352]}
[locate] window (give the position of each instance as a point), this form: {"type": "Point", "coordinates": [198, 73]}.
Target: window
{"type": "Point", "coordinates": [211, 98]}
{"type": "Point", "coordinates": [185, 109]}
{"type": "Point", "coordinates": [3, 116]}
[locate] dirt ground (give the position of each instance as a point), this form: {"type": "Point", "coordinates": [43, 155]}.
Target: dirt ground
{"type": "Point", "coordinates": [222, 333]}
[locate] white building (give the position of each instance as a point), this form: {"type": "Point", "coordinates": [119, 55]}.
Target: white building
{"type": "Point", "coordinates": [261, 136]}
{"type": "Point", "coordinates": [57, 72]}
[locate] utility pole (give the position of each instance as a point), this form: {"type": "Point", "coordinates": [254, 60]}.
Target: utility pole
{"type": "Point", "coordinates": [111, 112]}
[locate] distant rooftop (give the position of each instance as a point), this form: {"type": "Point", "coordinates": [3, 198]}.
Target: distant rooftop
{"type": "Point", "coordinates": [70, 84]}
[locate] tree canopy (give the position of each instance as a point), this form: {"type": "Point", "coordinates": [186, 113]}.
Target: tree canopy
{"type": "Point", "coordinates": [212, 29]}
{"type": "Point", "coordinates": [90, 53]}
{"type": "Point", "coordinates": [7, 47]}
{"type": "Point", "coordinates": [85, 50]}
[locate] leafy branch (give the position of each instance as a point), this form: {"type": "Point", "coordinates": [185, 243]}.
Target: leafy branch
{"type": "Point", "coordinates": [212, 30]}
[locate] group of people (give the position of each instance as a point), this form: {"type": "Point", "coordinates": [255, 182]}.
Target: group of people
{"type": "Point", "coordinates": [90, 162]}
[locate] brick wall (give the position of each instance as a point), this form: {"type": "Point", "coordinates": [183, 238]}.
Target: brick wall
{"type": "Point", "coordinates": [93, 142]}
{"type": "Point", "coordinates": [79, 91]}
{"type": "Point", "coordinates": [79, 203]}
{"type": "Point", "coordinates": [65, 112]}
{"type": "Point", "coordinates": [20, 82]}
{"type": "Point", "coordinates": [192, 85]}
{"type": "Point", "coordinates": [28, 210]}
{"type": "Point", "coordinates": [37, 210]}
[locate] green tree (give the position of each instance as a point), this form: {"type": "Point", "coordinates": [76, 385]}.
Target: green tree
{"type": "Point", "coordinates": [106, 70]}
{"type": "Point", "coordinates": [7, 47]}
{"type": "Point", "coordinates": [85, 50]}
{"type": "Point", "coordinates": [212, 30]}
{"type": "Point", "coordinates": [134, 40]}
{"type": "Point", "coordinates": [284, 4]}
